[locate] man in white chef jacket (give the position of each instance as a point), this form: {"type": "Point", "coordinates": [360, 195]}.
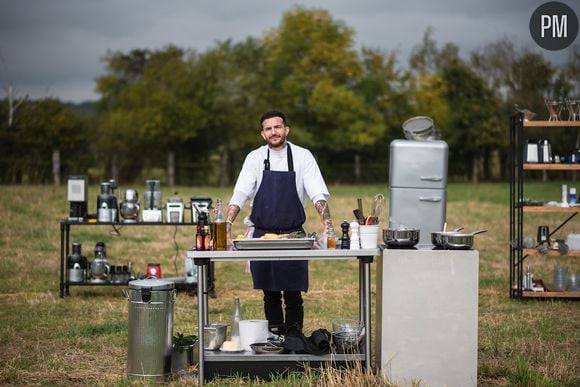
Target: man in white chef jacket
{"type": "Point", "coordinates": [281, 175]}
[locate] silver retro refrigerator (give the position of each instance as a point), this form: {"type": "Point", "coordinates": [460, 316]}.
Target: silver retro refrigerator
{"type": "Point", "coordinates": [418, 186]}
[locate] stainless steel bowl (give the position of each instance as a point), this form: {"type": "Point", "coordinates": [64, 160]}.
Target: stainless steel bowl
{"type": "Point", "coordinates": [347, 342]}
{"type": "Point", "coordinates": [214, 336]}
{"type": "Point", "coordinates": [401, 237]}
{"type": "Point", "coordinates": [267, 348]}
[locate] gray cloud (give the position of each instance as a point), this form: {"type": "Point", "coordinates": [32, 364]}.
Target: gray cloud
{"type": "Point", "coordinates": [55, 47]}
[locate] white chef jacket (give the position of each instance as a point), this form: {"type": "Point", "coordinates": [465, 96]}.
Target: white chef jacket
{"type": "Point", "coordinates": [309, 180]}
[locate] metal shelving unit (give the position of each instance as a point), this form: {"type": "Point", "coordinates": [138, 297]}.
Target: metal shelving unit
{"type": "Point", "coordinates": [65, 230]}
{"type": "Point", "coordinates": [518, 254]}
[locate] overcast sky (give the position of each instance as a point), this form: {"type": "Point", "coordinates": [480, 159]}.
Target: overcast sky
{"type": "Point", "coordinates": [54, 48]}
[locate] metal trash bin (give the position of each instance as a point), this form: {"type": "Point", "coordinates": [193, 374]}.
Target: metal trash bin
{"type": "Point", "coordinates": [150, 328]}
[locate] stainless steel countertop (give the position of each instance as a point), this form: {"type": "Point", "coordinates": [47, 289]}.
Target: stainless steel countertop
{"type": "Point", "coordinates": [274, 255]}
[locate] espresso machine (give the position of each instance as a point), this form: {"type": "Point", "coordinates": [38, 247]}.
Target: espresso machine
{"type": "Point", "coordinates": [174, 210]}
{"type": "Point", "coordinates": [77, 197]}
{"type": "Point", "coordinates": [152, 210]}
{"type": "Point", "coordinates": [100, 267]}
{"type": "Point", "coordinates": [130, 206]}
{"type": "Point", "coordinates": [107, 208]}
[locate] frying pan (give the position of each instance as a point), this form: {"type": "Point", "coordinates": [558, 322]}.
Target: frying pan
{"type": "Point", "coordinates": [458, 240]}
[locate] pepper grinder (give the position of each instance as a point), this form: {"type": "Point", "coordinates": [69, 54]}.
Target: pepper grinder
{"type": "Point", "coordinates": [344, 239]}
{"type": "Point", "coordinates": [354, 236]}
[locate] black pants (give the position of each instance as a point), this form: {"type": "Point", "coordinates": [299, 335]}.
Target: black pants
{"type": "Point", "coordinates": [294, 307]}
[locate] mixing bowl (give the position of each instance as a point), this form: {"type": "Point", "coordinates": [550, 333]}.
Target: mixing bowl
{"type": "Point", "coordinates": [214, 336]}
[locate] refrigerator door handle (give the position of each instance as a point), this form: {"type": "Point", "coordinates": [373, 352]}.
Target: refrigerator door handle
{"type": "Point", "coordinates": [431, 178]}
{"type": "Point", "coordinates": [433, 199]}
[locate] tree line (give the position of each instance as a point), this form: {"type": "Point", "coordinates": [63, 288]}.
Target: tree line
{"type": "Point", "coordinates": [189, 117]}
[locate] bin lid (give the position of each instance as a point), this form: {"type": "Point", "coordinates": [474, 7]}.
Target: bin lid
{"type": "Point", "coordinates": [151, 283]}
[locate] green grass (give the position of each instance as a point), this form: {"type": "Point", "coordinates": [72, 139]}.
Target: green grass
{"type": "Point", "coordinates": [82, 339]}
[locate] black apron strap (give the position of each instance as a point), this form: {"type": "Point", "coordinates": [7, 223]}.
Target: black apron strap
{"type": "Point", "coordinates": [289, 157]}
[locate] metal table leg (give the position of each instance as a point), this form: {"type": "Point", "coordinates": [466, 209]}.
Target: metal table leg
{"type": "Point", "coordinates": [365, 304]}
{"type": "Point", "coordinates": [62, 259]}
{"type": "Point", "coordinates": [201, 316]}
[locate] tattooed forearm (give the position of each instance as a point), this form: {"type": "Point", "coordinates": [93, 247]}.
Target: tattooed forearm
{"type": "Point", "coordinates": [233, 211]}
{"type": "Point", "coordinates": [324, 212]}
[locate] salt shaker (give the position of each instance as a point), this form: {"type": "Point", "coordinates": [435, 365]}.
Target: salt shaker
{"type": "Point", "coordinates": [354, 235]}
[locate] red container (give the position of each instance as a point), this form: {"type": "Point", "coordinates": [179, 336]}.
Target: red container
{"type": "Point", "coordinates": [153, 270]}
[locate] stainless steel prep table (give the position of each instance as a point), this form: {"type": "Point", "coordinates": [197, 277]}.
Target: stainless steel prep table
{"type": "Point", "coordinates": [203, 258]}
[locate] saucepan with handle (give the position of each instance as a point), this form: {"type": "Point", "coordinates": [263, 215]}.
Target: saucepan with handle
{"type": "Point", "coordinates": [459, 240]}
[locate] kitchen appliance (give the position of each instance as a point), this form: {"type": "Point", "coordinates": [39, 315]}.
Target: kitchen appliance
{"type": "Point", "coordinates": [130, 206]}
{"type": "Point", "coordinates": [76, 264]}
{"type": "Point", "coordinates": [151, 304]}
{"type": "Point", "coordinates": [77, 197]}
{"type": "Point", "coordinates": [153, 270]}
{"type": "Point", "coordinates": [418, 186]}
{"type": "Point", "coordinates": [201, 204]}
{"type": "Point", "coordinates": [545, 151]}
{"type": "Point", "coordinates": [152, 210]}
{"type": "Point", "coordinates": [99, 267]}
{"type": "Point", "coordinates": [543, 235]}
{"type": "Point", "coordinates": [174, 209]}
{"type": "Point", "coordinates": [531, 152]}
{"type": "Point", "coordinates": [107, 203]}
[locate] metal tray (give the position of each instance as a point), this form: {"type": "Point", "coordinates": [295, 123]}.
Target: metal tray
{"type": "Point", "coordinates": [274, 244]}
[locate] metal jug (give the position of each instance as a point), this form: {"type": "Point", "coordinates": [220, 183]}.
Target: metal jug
{"type": "Point", "coordinates": [545, 151]}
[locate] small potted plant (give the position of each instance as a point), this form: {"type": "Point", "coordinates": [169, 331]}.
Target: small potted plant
{"type": "Point", "coordinates": [182, 351]}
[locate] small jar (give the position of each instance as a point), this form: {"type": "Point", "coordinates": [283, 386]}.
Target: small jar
{"type": "Point", "coordinates": [331, 238]}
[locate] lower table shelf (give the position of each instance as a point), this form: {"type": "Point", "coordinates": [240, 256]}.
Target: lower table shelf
{"type": "Point", "coordinates": [265, 366]}
{"type": "Point", "coordinates": [567, 294]}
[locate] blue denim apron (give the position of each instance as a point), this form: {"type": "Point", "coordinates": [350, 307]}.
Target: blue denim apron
{"type": "Point", "coordinates": [277, 209]}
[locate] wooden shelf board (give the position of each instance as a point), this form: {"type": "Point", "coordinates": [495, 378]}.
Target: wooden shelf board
{"type": "Point", "coordinates": [551, 167]}
{"type": "Point", "coordinates": [571, 253]}
{"type": "Point", "coordinates": [550, 209]}
{"type": "Point", "coordinates": [527, 294]}
{"type": "Point", "coordinates": [536, 124]}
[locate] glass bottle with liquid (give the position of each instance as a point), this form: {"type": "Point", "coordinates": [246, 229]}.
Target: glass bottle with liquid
{"type": "Point", "coordinates": [235, 323]}
{"type": "Point", "coordinates": [219, 237]}
{"type": "Point", "coordinates": [330, 238]}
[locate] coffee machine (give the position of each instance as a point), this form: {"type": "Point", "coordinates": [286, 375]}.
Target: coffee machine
{"type": "Point", "coordinates": [130, 206]}
{"type": "Point", "coordinates": [174, 210]}
{"type": "Point", "coordinates": [99, 267]}
{"type": "Point", "coordinates": [107, 208]}
{"type": "Point", "coordinates": [152, 210]}
{"type": "Point", "coordinates": [76, 264]}
{"type": "Point", "coordinates": [77, 197]}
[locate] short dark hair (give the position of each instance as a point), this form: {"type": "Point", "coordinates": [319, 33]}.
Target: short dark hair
{"type": "Point", "coordinates": [273, 113]}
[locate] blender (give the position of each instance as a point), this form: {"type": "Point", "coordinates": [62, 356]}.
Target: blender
{"type": "Point", "coordinates": [130, 206]}
{"type": "Point", "coordinates": [152, 211]}
{"type": "Point", "coordinates": [107, 203]}
{"type": "Point", "coordinates": [174, 210]}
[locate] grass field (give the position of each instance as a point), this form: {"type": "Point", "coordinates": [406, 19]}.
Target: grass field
{"type": "Point", "coordinates": [82, 339]}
